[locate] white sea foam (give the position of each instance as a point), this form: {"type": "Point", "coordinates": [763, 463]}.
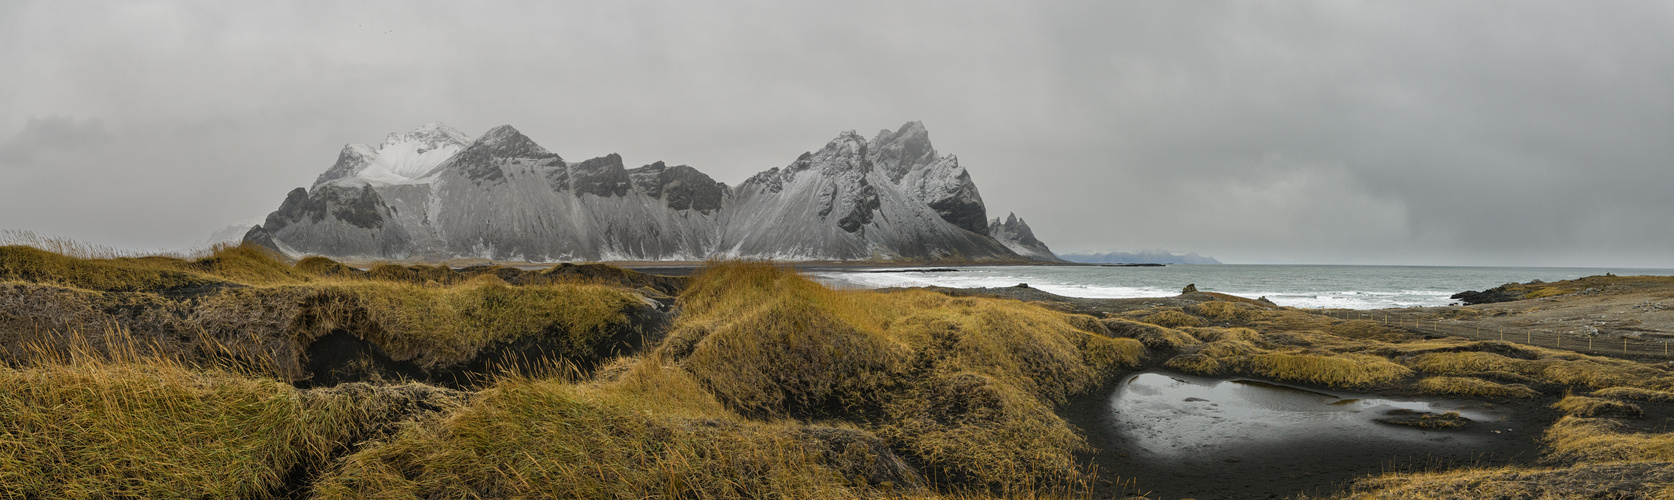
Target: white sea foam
{"type": "Point", "coordinates": [1344, 287]}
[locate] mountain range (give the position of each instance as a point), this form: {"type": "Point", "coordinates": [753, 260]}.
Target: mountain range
{"type": "Point", "coordinates": [435, 193]}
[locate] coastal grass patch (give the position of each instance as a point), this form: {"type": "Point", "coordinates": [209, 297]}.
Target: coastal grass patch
{"type": "Point", "coordinates": [1369, 330]}
{"type": "Point", "coordinates": [963, 387]}
{"type": "Point", "coordinates": [1555, 367]}
{"type": "Point", "coordinates": [1582, 406]}
{"type": "Point", "coordinates": [1602, 440]}
{"type": "Point", "coordinates": [1634, 394]}
{"type": "Point", "coordinates": [1173, 319]}
{"type": "Point", "coordinates": [1215, 333]}
{"type": "Point", "coordinates": [1621, 480]}
{"type": "Point", "coordinates": [93, 429]}
{"type": "Point", "coordinates": [1474, 388]}
{"type": "Point", "coordinates": [323, 267]}
{"type": "Point", "coordinates": [1349, 370]}
{"type": "Point", "coordinates": [443, 326]}
{"type": "Point", "coordinates": [653, 432]}
{"type": "Point", "coordinates": [1221, 311]}
{"type": "Point", "coordinates": [33, 265]}
{"type": "Point", "coordinates": [1196, 364]}
{"type": "Point", "coordinates": [1153, 336]}
{"type": "Point", "coordinates": [1346, 370]}
{"type": "Point", "coordinates": [272, 326]}
{"type": "Point", "coordinates": [222, 265]}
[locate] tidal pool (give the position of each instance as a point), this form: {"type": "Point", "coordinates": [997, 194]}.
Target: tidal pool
{"type": "Point", "coordinates": [1175, 435]}
{"type": "Point", "coordinates": [1176, 415]}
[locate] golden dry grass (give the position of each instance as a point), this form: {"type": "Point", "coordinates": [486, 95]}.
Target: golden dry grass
{"type": "Point", "coordinates": [243, 303]}
{"type": "Point", "coordinates": [1213, 334]}
{"type": "Point", "coordinates": [1634, 394]}
{"type": "Point", "coordinates": [1173, 319]}
{"type": "Point", "coordinates": [965, 386]}
{"type": "Point", "coordinates": [1153, 336]}
{"type": "Point", "coordinates": [1558, 367]}
{"type": "Point", "coordinates": [1582, 406]}
{"type": "Point", "coordinates": [1220, 311]}
{"type": "Point", "coordinates": [92, 429]}
{"type": "Point", "coordinates": [1599, 440]}
{"type": "Point", "coordinates": [645, 430]}
{"type": "Point", "coordinates": [1333, 370]}
{"type": "Point", "coordinates": [1474, 387]}
{"type": "Point", "coordinates": [1649, 480]}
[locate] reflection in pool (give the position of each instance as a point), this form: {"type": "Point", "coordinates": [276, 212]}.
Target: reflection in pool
{"type": "Point", "coordinates": [1176, 415]}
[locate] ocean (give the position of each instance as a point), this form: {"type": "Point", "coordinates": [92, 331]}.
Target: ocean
{"type": "Point", "coordinates": [1347, 287]}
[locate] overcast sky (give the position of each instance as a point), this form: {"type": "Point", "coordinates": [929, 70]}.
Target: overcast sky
{"type": "Point", "coordinates": [1399, 132]}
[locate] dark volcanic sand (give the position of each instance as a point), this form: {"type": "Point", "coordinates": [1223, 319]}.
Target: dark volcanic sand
{"type": "Point", "coordinates": [1316, 465]}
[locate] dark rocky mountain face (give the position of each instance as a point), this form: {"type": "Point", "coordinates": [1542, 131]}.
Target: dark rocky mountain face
{"type": "Point", "coordinates": [435, 194]}
{"type": "Point", "coordinates": [911, 163]}
{"type": "Point", "coordinates": [680, 187]}
{"type": "Point", "coordinates": [603, 176]}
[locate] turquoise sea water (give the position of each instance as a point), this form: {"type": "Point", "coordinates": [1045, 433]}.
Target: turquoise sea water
{"type": "Point", "coordinates": [1351, 287]}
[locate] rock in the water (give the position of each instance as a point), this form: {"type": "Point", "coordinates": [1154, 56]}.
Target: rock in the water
{"type": "Point", "coordinates": [1189, 288]}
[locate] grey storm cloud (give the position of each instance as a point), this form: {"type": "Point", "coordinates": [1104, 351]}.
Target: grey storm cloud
{"type": "Point", "coordinates": [1423, 132]}
{"type": "Point", "coordinates": [51, 134]}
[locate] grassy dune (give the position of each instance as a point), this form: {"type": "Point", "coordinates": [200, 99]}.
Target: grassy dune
{"type": "Point", "coordinates": [243, 306]}
{"type": "Point", "coordinates": [963, 387]}
{"type": "Point", "coordinates": [769, 385]}
{"type": "Point", "coordinates": [165, 377]}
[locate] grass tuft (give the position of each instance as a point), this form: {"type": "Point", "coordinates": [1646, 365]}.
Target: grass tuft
{"type": "Point", "coordinates": [1340, 370]}
{"type": "Point", "coordinates": [1634, 394]}
{"type": "Point", "coordinates": [1474, 388]}
{"type": "Point", "coordinates": [1173, 319]}
{"type": "Point", "coordinates": [1582, 406]}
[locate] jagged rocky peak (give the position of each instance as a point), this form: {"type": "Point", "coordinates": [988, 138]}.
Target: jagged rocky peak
{"type": "Point", "coordinates": [680, 187]}
{"type": "Point", "coordinates": [844, 155]}
{"type": "Point", "coordinates": [899, 152]}
{"type": "Point", "coordinates": [910, 161]}
{"type": "Point", "coordinates": [1016, 235]}
{"type": "Point", "coordinates": [487, 159]}
{"type": "Point", "coordinates": [403, 158]}
{"type": "Point", "coordinates": [850, 195]}
{"type": "Point", "coordinates": [506, 142]}
{"type": "Point", "coordinates": [602, 176]}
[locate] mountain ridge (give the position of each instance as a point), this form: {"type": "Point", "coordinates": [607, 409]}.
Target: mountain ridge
{"type": "Point", "coordinates": [502, 196]}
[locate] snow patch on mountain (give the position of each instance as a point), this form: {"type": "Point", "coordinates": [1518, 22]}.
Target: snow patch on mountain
{"type": "Point", "coordinates": [407, 158]}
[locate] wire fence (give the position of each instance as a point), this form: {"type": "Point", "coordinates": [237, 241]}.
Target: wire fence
{"type": "Point", "coordinates": [1583, 338]}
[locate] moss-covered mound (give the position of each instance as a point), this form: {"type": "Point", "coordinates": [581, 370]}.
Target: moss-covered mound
{"type": "Point", "coordinates": [964, 388]}
{"type": "Point", "coordinates": [321, 323]}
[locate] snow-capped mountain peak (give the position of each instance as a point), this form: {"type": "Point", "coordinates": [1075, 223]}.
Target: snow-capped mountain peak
{"type": "Point", "coordinates": [403, 158]}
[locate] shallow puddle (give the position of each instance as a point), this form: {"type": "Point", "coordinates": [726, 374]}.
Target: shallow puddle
{"type": "Point", "coordinates": [1177, 415]}
{"type": "Point", "coordinates": [1174, 436]}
